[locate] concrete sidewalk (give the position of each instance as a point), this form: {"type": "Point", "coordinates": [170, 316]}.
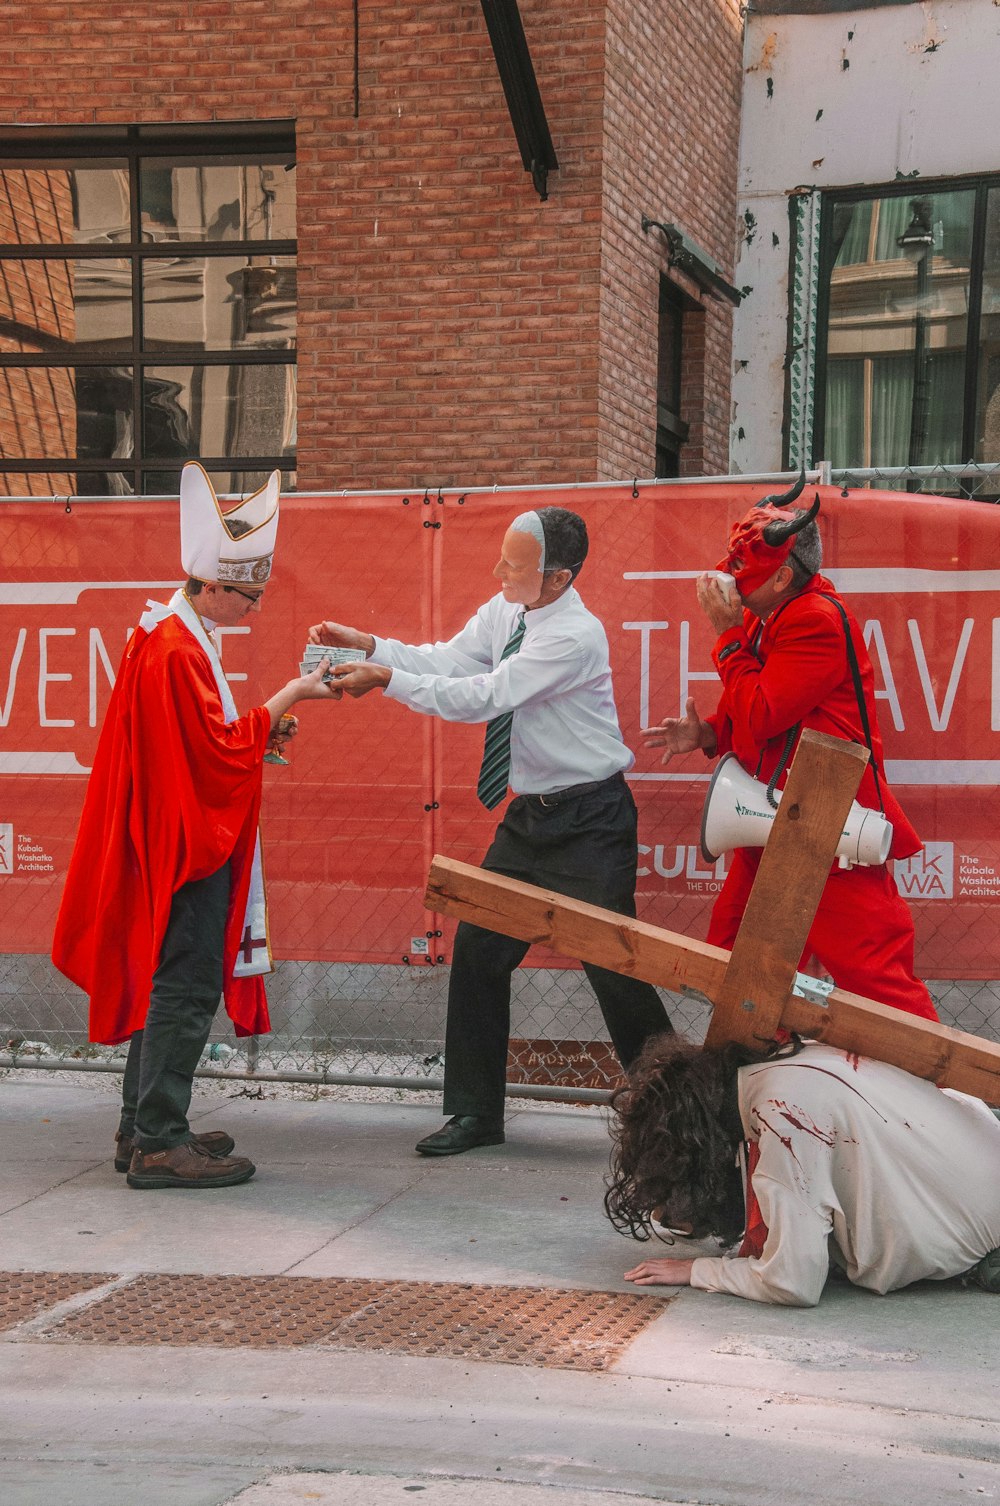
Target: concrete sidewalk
{"type": "Point", "coordinates": [887, 1400]}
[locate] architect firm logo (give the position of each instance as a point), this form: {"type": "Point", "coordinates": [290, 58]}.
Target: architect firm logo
{"type": "Point", "coordinates": [6, 847]}
{"type": "Point", "coordinates": [929, 874]}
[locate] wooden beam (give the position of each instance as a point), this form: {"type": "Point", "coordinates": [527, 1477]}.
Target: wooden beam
{"type": "Point", "coordinates": [573, 928]}
{"type": "Point", "coordinates": [951, 1058]}
{"type": "Point", "coordinates": [792, 875]}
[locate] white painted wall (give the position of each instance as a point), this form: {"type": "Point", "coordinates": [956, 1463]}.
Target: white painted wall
{"type": "Point", "coordinates": [921, 92]}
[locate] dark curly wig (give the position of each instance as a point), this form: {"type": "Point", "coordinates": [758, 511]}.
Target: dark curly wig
{"type": "Point", "coordinates": [675, 1137]}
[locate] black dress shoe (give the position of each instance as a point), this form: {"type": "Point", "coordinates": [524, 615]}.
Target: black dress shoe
{"type": "Point", "coordinates": [464, 1132]}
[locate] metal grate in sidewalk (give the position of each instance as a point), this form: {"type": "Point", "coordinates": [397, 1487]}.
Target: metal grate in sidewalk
{"type": "Point", "coordinates": [25, 1294]}
{"type": "Point", "coordinates": [576, 1330]}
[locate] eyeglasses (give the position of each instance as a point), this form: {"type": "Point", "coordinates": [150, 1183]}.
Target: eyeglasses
{"type": "Point", "coordinates": [245, 594]}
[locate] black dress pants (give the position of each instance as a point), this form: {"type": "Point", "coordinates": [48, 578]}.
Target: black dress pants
{"type": "Point", "coordinates": [584, 846]}
{"type": "Point", "coordinates": [187, 987]}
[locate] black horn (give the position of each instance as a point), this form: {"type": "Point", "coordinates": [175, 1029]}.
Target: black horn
{"type": "Point", "coordinates": [788, 497]}
{"type": "Point", "coordinates": [777, 533]}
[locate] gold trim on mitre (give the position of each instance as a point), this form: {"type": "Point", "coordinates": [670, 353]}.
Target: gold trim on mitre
{"type": "Point", "coordinates": [210, 547]}
{"type": "Point", "coordinates": [253, 572]}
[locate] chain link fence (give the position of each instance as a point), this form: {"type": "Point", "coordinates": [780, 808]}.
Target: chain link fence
{"type": "Point", "coordinates": [981, 481]}
{"type": "Point", "coordinates": [365, 1017]}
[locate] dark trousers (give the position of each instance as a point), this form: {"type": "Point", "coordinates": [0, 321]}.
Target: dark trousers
{"type": "Point", "coordinates": [187, 986]}
{"type": "Point", "coordinates": [583, 847]}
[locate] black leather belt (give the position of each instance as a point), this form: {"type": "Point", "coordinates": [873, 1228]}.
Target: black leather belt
{"type": "Point", "coordinates": [556, 797]}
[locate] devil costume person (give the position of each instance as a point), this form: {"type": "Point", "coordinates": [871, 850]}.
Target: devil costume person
{"type": "Point", "coordinates": [806, 665]}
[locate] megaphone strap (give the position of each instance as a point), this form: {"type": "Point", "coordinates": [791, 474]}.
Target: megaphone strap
{"type": "Point", "coordinates": [852, 660]}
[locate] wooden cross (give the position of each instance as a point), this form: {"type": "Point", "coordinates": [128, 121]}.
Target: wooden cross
{"type": "Point", "coordinates": [751, 987]}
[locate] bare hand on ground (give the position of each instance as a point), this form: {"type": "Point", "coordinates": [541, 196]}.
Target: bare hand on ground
{"type": "Point", "coordinates": [661, 1273]}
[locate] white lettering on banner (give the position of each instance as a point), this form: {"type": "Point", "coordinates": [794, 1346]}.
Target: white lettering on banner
{"type": "Point", "coordinates": [22, 855]}
{"type": "Point", "coordinates": [979, 874]}
{"type": "Point", "coordinates": [100, 667]}
{"type": "Point", "coordinates": [49, 593]}
{"type": "Point", "coordinates": [645, 629]}
{"type": "Point", "coordinates": [899, 683]}
{"type": "Point", "coordinates": [874, 638]}
{"type": "Point", "coordinates": [97, 648]}
{"type": "Point", "coordinates": [47, 676]}
{"type": "Point", "coordinates": [684, 861]}
{"type": "Point", "coordinates": [687, 674]}
{"type": "Point", "coordinates": [939, 720]}
{"type": "Point", "coordinates": [929, 874]}
{"type": "Point", "coordinates": [220, 633]}
{"type": "Point", "coordinates": [22, 638]}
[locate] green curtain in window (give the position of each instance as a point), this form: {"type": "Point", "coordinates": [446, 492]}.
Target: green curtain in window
{"type": "Point", "coordinates": [845, 394]}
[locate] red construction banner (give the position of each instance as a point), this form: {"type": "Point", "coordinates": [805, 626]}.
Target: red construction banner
{"type": "Point", "coordinates": [373, 789]}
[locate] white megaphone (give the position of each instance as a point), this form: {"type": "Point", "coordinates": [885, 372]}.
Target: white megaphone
{"type": "Point", "coordinates": [738, 814]}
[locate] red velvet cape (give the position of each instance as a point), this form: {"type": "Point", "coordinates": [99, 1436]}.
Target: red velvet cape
{"type": "Point", "coordinates": [174, 792]}
{"type": "Point", "coordinates": [800, 673]}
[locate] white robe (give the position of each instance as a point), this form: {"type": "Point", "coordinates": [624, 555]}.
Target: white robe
{"type": "Point", "coordinates": [894, 1179]}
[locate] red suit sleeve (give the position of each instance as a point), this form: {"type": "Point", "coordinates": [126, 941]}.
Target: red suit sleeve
{"type": "Point", "coordinates": [806, 661]}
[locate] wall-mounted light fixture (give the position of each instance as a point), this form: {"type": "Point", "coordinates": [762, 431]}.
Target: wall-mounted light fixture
{"type": "Point", "coordinates": [688, 257]}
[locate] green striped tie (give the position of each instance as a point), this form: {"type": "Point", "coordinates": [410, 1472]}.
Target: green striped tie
{"type": "Point", "coordinates": [495, 769]}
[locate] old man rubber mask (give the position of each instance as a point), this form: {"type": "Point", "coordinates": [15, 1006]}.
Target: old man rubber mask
{"type": "Point", "coordinates": [762, 541]}
{"type": "Point", "coordinates": [521, 570]}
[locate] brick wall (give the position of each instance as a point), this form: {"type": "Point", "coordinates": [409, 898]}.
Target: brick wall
{"type": "Point", "coordinates": [671, 147]}
{"type": "Point", "coordinates": [452, 327]}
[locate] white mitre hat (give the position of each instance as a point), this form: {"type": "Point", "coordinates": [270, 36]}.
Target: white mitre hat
{"type": "Point", "coordinates": [208, 549]}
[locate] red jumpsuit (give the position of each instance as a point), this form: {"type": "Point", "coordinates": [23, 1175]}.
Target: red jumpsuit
{"type": "Point", "coordinates": [793, 669]}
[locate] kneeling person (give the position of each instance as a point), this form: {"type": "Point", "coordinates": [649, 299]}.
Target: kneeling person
{"type": "Point", "coordinates": [847, 1159]}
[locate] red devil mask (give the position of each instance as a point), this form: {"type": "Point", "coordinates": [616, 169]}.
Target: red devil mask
{"type": "Point", "coordinates": [762, 541]}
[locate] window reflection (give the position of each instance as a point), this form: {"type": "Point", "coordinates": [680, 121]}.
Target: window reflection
{"type": "Point", "coordinates": [988, 404]}
{"type": "Point", "coordinates": [37, 484]}
{"type": "Point", "coordinates": [237, 201]}
{"type": "Point", "coordinates": [56, 411]}
{"type": "Point", "coordinates": [219, 302]}
{"type": "Point", "coordinates": [64, 305]}
{"type": "Point", "coordinates": [898, 327]}
{"type": "Point", "coordinates": [226, 483]}
{"type": "Point", "coordinates": [218, 410]}
{"type": "Point", "coordinates": [207, 336]}
{"type": "Point", "coordinates": [86, 204]}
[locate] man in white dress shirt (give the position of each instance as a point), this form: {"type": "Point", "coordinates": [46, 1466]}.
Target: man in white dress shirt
{"type": "Point", "coordinates": [848, 1162]}
{"type": "Point", "coordinates": [533, 665]}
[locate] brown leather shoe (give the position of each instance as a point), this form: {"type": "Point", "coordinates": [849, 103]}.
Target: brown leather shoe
{"type": "Point", "coordinates": [216, 1142]}
{"type": "Point", "coordinates": [188, 1165]}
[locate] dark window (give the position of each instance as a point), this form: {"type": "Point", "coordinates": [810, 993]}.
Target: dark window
{"type": "Point", "coordinates": [671, 430]}
{"type": "Point", "coordinates": [147, 308]}
{"type": "Point", "coordinates": [909, 337]}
